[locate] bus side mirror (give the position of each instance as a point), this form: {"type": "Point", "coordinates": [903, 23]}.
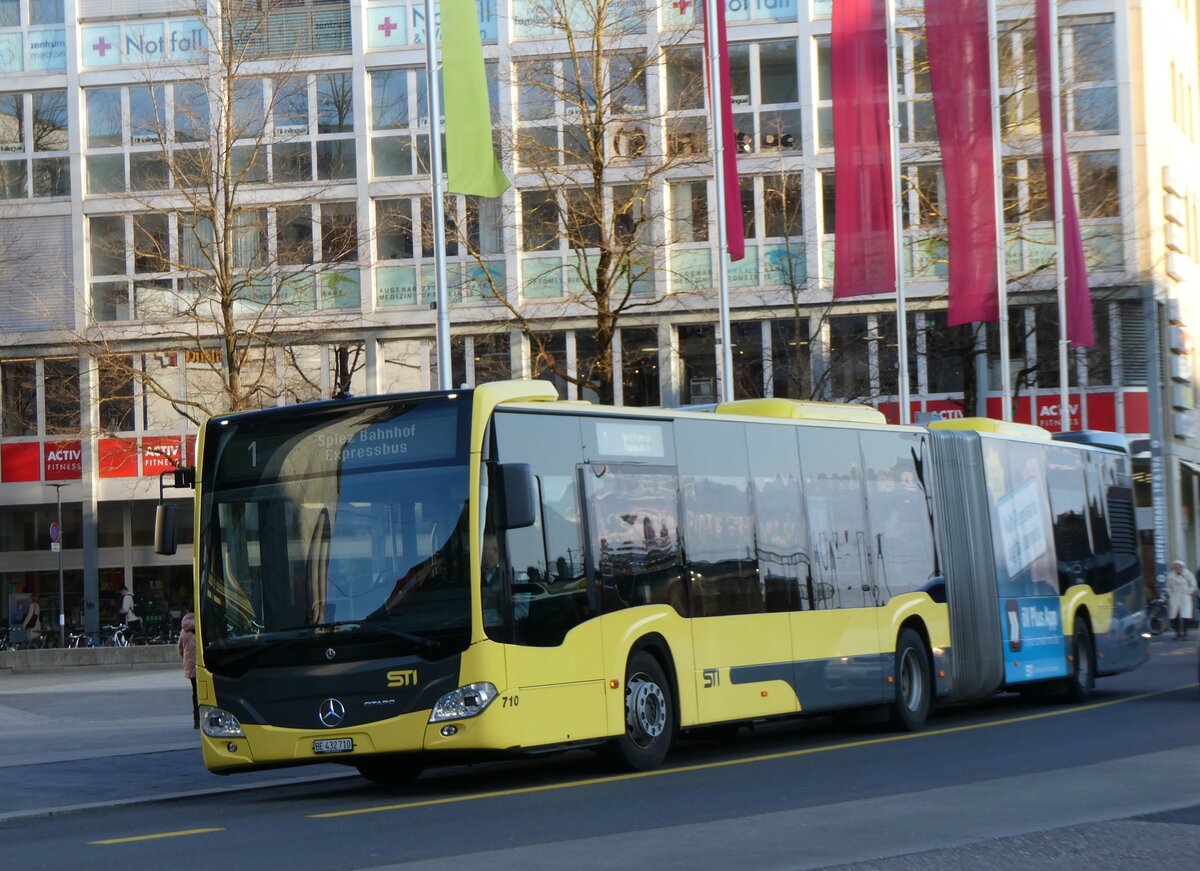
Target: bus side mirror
{"type": "Point", "coordinates": [517, 494]}
{"type": "Point", "coordinates": [164, 529]}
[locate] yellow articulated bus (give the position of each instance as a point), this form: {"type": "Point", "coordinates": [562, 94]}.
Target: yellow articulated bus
{"type": "Point", "coordinates": [397, 581]}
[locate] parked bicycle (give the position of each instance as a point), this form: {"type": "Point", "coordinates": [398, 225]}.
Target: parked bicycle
{"type": "Point", "coordinates": [1156, 616]}
{"type": "Point", "coordinates": [115, 636]}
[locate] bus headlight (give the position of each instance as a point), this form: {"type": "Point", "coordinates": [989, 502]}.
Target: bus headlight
{"type": "Point", "coordinates": [220, 724]}
{"type": "Point", "coordinates": [464, 702]}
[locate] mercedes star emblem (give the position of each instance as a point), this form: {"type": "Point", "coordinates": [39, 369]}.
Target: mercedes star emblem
{"type": "Point", "coordinates": [331, 713]}
{"type": "Point", "coordinates": [330, 653]}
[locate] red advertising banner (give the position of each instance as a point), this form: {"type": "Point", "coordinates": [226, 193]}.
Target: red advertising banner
{"type": "Point", "coordinates": [159, 454]}
{"type": "Point", "coordinates": [1137, 412]}
{"type": "Point", "coordinates": [118, 458]}
{"type": "Point", "coordinates": [1102, 410]}
{"type": "Point", "coordinates": [64, 461]}
{"type": "Point", "coordinates": [20, 462]}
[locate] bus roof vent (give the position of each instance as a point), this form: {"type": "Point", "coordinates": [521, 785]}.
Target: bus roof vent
{"type": "Point", "coordinates": [516, 390]}
{"type": "Point", "coordinates": [798, 410]}
{"type": "Point", "coordinates": [996, 427]}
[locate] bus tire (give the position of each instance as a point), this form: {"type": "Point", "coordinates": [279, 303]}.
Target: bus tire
{"type": "Point", "coordinates": [392, 769]}
{"type": "Point", "coordinates": [914, 689]}
{"type": "Point", "coordinates": [649, 716]}
{"type": "Point", "coordinates": [1083, 664]}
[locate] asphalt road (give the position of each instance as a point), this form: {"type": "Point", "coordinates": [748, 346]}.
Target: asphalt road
{"type": "Point", "coordinates": [1007, 784]}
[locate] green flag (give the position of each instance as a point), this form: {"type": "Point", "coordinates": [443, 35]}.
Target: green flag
{"type": "Point", "coordinates": [471, 165]}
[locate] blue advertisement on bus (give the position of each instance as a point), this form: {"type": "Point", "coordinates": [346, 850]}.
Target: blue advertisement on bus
{"type": "Point", "coordinates": [1026, 564]}
{"type": "Point", "coordinates": [1034, 646]}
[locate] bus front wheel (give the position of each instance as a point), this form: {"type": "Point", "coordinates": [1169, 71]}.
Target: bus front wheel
{"type": "Point", "coordinates": [649, 716]}
{"type": "Point", "coordinates": [1083, 673]}
{"type": "Point", "coordinates": [914, 690]}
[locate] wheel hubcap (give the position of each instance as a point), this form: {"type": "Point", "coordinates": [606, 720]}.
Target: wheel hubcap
{"type": "Point", "coordinates": [645, 708]}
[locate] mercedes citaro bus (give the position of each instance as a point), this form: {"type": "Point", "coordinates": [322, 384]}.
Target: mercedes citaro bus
{"type": "Point", "coordinates": [396, 581]}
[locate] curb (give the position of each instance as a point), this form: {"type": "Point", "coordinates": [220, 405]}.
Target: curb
{"type": "Point", "coordinates": [41, 813]}
{"type": "Point", "coordinates": [57, 658]}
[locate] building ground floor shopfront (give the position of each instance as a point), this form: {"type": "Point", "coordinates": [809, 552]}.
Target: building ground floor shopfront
{"type": "Point", "coordinates": [29, 569]}
{"type": "Point", "coordinates": [109, 483]}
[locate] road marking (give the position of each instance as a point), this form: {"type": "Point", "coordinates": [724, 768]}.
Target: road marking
{"type": "Point", "coordinates": [155, 837]}
{"type": "Point", "coordinates": [725, 763]}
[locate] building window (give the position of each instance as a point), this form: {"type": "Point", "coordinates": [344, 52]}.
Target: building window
{"type": "Point", "coordinates": [639, 365]}
{"type": "Point", "coordinates": [399, 107]}
{"type": "Point", "coordinates": [266, 28]}
{"type": "Point", "coordinates": [116, 378]}
{"type": "Point", "coordinates": [849, 357]}
{"type": "Point", "coordinates": [34, 149]}
{"type": "Point", "coordinates": [61, 377]}
{"type": "Point", "coordinates": [18, 390]}
{"type": "Point", "coordinates": [557, 101]}
{"type": "Point", "coordinates": [687, 123]}
{"type": "Point", "coordinates": [1089, 94]}
{"type": "Point", "coordinates": [689, 211]}
{"type": "Point", "coordinates": [765, 91]}
{"type": "Point", "coordinates": [791, 372]}
{"type": "Point", "coordinates": [697, 356]}
{"type": "Point", "coordinates": [914, 105]}
{"type": "Point", "coordinates": [824, 103]}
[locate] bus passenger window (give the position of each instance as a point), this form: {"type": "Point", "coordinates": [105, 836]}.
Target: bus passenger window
{"type": "Point", "coordinates": [633, 522]}
{"type": "Point", "coordinates": [714, 477]}
{"type": "Point", "coordinates": [780, 525]}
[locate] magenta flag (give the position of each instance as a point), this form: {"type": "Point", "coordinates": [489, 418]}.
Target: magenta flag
{"type": "Point", "coordinates": [956, 34]}
{"type": "Point", "coordinates": [735, 230]}
{"type": "Point", "coordinates": [1080, 330]}
{"type": "Point", "coordinates": [864, 252]}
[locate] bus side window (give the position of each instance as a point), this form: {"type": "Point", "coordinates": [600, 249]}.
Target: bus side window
{"type": "Point", "coordinates": [718, 518]}
{"type": "Point", "coordinates": [901, 542]}
{"type": "Point", "coordinates": [634, 530]}
{"type": "Point", "coordinates": [781, 528]}
{"type": "Point", "coordinates": [549, 586]}
{"type": "Point", "coordinates": [833, 498]}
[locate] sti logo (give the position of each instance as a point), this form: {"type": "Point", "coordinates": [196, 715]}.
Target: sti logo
{"type": "Point", "coordinates": [712, 678]}
{"type": "Point", "coordinates": [405, 677]}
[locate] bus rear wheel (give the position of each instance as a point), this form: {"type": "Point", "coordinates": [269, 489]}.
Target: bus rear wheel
{"type": "Point", "coordinates": [1083, 673]}
{"type": "Point", "coordinates": [649, 716]}
{"type": "Point", "coordinates": [391, 769]}
{"type": "Point", "coordinates": [914, 689]}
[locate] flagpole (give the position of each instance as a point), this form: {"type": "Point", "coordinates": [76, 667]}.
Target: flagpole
{"type": "Point", "coordinates": [1060, 263]}
{"type": "Point", "coordinates": [439, 205]}
{"type": "Point", "coordinates": [716, 97]}
{"type": "Point", "coordinates": [998, 167]}
{"type": "Point", "coordinates": [897, 216]}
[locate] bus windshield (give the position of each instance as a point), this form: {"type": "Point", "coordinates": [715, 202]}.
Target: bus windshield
{"type": "Point", "coordinates": [344, 527]}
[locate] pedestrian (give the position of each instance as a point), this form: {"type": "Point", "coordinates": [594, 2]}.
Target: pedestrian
{"type": "Point", "coordinates": [127, 615]}
{"type": "Point", "coordinates": [186, 645]}
{"type": "Point", "coordinates": [1181, 587]}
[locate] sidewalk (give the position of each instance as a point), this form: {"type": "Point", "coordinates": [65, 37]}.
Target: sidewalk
{"type": "Point", "coordinates": [93, 736]}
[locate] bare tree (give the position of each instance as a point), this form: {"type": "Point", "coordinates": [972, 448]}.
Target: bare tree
{"type": "Point", "coordinates": [230, 247]}
{"type": "Point", "coordinates": [591, 150]}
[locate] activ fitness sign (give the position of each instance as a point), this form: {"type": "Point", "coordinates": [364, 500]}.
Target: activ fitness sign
{"type": "Point", "coordinates": [152, 42]}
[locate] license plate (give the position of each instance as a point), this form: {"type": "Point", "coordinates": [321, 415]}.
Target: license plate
{"type": "Point", "coordinates": [333, 745]}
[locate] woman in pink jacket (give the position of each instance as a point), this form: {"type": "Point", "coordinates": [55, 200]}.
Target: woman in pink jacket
{"type": "Point", "coordinates": [187, 649]}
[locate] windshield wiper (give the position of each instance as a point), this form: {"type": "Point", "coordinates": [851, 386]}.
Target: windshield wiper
{"type": "Point", "coordinates": [378, 627]}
